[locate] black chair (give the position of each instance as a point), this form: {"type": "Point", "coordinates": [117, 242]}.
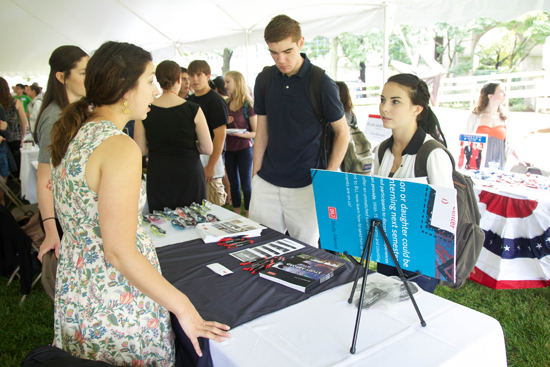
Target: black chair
{"type": "Point", "coordinates": [48, 356]}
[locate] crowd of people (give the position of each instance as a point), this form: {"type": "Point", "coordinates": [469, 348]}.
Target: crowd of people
{"type": "Point", "coordinates": [90, 191]}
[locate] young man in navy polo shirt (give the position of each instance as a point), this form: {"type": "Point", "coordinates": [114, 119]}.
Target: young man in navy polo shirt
{"type": "Point", "coordinates": [289, 135]}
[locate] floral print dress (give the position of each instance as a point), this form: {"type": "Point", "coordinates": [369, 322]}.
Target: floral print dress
{"type": "Point", "coordinates": [99, 315]}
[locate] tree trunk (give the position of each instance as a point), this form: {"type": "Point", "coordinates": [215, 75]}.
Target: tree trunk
{"type": "Point", "coordinates": [362, 72]}
{"type": "Point", "coordinates": [227, 53]}
{"type": "Point", "coordinates": [334, 58]}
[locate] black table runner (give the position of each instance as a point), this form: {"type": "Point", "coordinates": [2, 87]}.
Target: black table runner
{"type": "Point", "coordinates": [236, 298]}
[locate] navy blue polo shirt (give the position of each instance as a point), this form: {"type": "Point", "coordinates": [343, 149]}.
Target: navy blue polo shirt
{"type": "Point", "coordinates": [293, 128]}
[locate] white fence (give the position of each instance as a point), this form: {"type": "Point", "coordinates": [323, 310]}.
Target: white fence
{"type": "Point", "coordinates": [532, 84]}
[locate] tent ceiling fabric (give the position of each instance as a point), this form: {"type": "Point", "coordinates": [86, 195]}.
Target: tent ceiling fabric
{"type": "Point", "coordinates": [36, 27]}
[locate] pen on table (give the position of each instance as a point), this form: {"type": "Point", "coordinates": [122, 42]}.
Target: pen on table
{"type": "Point", "coordinates": [231, 239]}
{"type": "Point", "coordinates": [239, 244]}
{"type": "Point", "coordinates": [224, 243]}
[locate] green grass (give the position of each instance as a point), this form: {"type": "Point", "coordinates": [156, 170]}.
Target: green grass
{"type": "Point", "coordinates": [523, 314]}
{"type": "Point", "coordinates": [25, 327]}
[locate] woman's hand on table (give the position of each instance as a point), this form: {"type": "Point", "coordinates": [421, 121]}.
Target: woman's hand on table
{"type": "Point", "coordinates": [194, 327]}
{"type": "Point", "coordinates": [525, 163]}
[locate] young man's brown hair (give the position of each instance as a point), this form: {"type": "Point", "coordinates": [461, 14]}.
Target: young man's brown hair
{"type": "Point", "coordinates": [282, 27]}
{"type": "Point", "coordinates": [198, 66]}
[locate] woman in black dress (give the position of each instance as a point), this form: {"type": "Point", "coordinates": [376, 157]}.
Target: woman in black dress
{"type": "Point", "coordinates": [173, 134]}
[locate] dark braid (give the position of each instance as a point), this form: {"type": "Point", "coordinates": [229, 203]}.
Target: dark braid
{"type": "Point", "coordinates": [420, 96]}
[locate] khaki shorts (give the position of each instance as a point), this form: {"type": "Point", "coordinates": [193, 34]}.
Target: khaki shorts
{"type": "Point", "coordinates": [215, 192]}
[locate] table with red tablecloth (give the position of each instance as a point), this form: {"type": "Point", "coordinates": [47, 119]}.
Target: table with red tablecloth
{"type": "Point", "coordinates": [516, 252]}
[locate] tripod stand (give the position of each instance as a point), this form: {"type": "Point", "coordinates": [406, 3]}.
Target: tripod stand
{"type": "Point", "coordinates": [366, 254]}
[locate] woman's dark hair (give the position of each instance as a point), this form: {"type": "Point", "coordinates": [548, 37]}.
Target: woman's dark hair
{"type": "Point", "coordinates": [483, 100]}
{"type": "Point", "coordinates": [345, 97]}
{"type": "Point", "coordinates": [5, 96]}
{"type": "Point", "coordinates": [113, 70]}
{"type": "Point", "coordinates": [219, 83]}
{"type": "Point", "coordinates": [63, 59]}
{"type": "Point", "coordinates": [420, 96]}
{"type": "Point", "coordinates": [168, 72]}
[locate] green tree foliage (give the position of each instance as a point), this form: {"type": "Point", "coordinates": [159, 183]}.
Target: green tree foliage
{"type": "Point", "coordinates": [511, 42]}
{"type": "Point", "coordinates": [318, 47]}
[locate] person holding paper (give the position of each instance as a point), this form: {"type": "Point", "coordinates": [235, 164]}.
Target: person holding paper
{"type": "Point", "coordinates": [405, 109]}
{"type": "Point", "coordinates": [238, 157]}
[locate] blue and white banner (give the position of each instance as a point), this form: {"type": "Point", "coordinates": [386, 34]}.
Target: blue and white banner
{"type": "Point", "coordinates": [418, 219]}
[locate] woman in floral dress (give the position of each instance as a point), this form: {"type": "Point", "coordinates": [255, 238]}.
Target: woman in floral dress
{"type": "Point", "coordinates": [111, 301]}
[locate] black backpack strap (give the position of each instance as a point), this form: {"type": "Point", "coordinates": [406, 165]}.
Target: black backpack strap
{"type": "Point", "coordinates": [246, 116]}
{"type": "Point", "coordinates": [382, 149]}
{"type": "Point", "coordinates": [421, 160]}
{"type": "Point", "coordinates": [315, 92]}
{"type": "Point", "coordinates": [265, 78]}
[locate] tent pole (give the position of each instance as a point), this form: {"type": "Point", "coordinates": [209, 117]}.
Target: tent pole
{"type": "Point", "coordinates": [246, 33]}
{"type": "Point", "coordinates": [388, 22]}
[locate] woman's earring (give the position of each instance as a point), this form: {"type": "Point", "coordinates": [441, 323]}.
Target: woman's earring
{"type": "Point", "coordinates": [126, 110]}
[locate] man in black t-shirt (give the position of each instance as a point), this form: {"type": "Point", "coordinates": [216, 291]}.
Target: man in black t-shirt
{"type": "Point", "coordinates": [215, 111]}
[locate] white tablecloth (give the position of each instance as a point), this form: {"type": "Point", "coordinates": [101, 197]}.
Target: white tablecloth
{"type": "Point", "coordinates": [27, 174]}
{"type": "Point", "coordinates": [318, 332]}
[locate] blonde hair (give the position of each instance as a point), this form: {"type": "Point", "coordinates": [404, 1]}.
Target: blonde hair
{"type": "Point", "coordinates": [241, 94]}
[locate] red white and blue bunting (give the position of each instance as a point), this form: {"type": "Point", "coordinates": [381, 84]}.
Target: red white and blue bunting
{"type": "Point", "coordinates": [516, 252]}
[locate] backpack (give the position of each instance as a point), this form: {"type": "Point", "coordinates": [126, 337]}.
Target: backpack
{"type": "Point", "coordinates": [246, 117]}
{"type": "Point", "coordinates": [358, 158]}
{"type": "Point", "coordinates": [469, 236]}
{"type": "Point", "coordinates": [315, 80]}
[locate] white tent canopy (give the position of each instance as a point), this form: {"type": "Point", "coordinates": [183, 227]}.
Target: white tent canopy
{"type": "Point", "coordinates": [32, 29]}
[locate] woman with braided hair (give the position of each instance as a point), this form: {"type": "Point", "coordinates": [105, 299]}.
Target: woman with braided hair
{"type": "Point", "coordinates": [404, 108]}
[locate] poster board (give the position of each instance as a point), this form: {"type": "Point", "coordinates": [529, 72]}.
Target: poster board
{"type": "Point", "coordinates": [473, 149]}
{"type": "Point", "coordinates": [418, 219]}
{"type": "Point", "coordinates": [375, 130]}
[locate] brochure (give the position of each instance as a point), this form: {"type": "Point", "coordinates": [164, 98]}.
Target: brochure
{"type": "Point", "coordinates": [472, 152]}
{"type": "Point", "coordinates": [303, 271]}
{"type": "Point", "coordinates": [215, 231]}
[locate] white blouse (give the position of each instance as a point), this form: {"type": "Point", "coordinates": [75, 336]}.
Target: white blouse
{"type": "Point", "coordinates": [439, 166]}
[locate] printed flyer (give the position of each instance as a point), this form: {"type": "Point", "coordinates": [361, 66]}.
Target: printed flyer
{"type": "Point", "coordinates": [418, 219]}
{"type": "Point", "coordinates": [472, 153]}
{"type": "Point", "coordinates": [375, 130]}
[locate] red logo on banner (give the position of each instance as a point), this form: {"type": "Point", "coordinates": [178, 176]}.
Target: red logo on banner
{"type": "Point", "coordinates": [332, 213]}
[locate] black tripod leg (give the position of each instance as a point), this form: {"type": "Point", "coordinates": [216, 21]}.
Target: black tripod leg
{"type": "Point", "coordinates": [357, 273]}
{"type": "Point", "coordinates": [368, 249]}
{"type": "Point", "coordinates": [401, 275]}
